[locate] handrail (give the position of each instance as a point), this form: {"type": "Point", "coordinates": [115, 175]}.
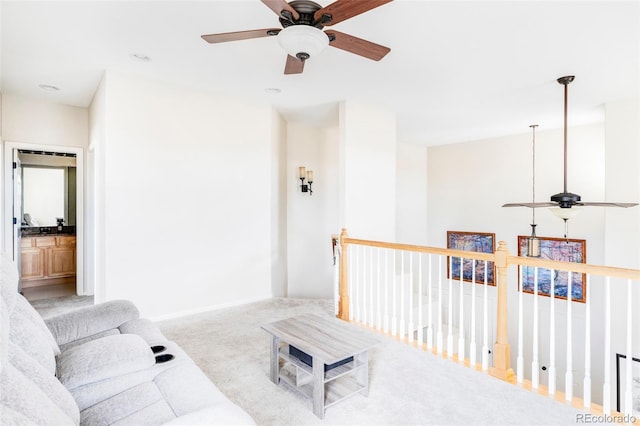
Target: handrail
{"type": "Point", "coordinates": [421, 249]}
{"type": "Point", "coordinates": [583, 268]}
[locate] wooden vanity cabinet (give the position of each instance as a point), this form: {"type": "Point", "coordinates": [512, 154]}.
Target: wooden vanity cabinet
{"type": "Point", "coordinates": [47, 260]}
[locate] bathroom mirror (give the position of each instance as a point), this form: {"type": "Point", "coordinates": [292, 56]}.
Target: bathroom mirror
{"type": "Point", "coordinates": [48, 189]}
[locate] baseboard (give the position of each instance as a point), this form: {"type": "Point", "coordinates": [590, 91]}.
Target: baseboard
{"type": "Point", "coordinates": [209, 308]}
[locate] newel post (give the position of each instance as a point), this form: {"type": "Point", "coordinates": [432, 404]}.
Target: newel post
{"type": "Point", "coordinates": [343, 305]}
{"type": "Point", "coordinates": [501, 349]}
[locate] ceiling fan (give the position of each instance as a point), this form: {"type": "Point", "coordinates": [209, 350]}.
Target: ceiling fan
{"type": "Point", "coordinates": [301, 34]}
{"type": "Point", "coordinates": [565, 199]}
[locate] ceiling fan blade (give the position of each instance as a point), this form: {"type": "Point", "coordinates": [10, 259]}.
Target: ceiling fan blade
{"type": "Point", "coordinates": [531, 205]}
{"type": "Point", "coordinates": [341, 10]}
{"type": "Point", "coordinates": [279, 5]}
{"type": "Point", "coordinates": [294, 65]}
{"type": "Point", "coordinates": [357, 45]}
{"type": "Point", "coordinates": [240, 35]}
{"type": "Point", "coordinates": [603, 204]}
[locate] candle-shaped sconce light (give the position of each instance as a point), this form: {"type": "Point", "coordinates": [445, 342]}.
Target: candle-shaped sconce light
{"type": "Point", "coordinates": [310, 180]}
{"type": "Point", "coordinates": [303, 174]}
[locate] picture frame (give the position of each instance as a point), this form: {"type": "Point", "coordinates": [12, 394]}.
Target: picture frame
{"type": "Point", "coordinates": [482, 242]}
{"type": "Point", "coordinates": [621, 369]}
{"type": "Point", "coordinates": [561, 249]}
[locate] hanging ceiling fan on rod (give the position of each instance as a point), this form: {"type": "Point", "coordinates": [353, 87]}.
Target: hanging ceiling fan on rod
{"type": "Point", "coordinates": [301, 34]}
{"type": "Point", "coordinates": [565, 200]}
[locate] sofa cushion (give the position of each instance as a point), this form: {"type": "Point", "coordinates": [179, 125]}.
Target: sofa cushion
{"type": "Point", "coordinates": [29, 331]}
{"type": "Point", "coordinates": [143, 401]}
{"type": "Point", "coordinates": [92, 393]}
{"type": "Point", "coordinates": [104, 358]}
{"type": "Point", "coordinates": [46, 382]}
{"type": "Point", "coordinates": [21, 395]}
{"type": "Point", "coordinates": [175, 392]}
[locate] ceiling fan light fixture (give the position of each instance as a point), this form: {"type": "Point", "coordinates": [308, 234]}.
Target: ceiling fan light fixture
{"type": "Point", "coordinates": [302, 41]}
{"type": "Point", "coordinates": [565, 213]}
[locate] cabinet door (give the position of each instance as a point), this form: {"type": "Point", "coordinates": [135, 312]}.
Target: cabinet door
{"type": "Point", "coordinates": [32, 263]}
{"type": "Point", "coordinates": [61, 262]}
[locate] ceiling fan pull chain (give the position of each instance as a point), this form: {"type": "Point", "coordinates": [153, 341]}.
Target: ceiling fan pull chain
{"type": "Point", "coordinates": [566, 230]}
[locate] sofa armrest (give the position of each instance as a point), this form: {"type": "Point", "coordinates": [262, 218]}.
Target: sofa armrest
{"type": "Point", "coordinates": [85, 322]}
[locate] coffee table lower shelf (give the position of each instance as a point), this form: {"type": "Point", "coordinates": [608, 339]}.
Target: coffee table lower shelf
{"type": "Point", "coordinates": [339, 382]}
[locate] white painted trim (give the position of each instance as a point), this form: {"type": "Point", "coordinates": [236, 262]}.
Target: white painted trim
{"type": "Point", "coordinates": [7, 222]}
{"type": "Point", "coordinates": [209, 308]}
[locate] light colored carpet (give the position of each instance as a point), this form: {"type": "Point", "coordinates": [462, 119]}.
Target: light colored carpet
{"type": "Point", "coordinates": [407, 386]}
{"type": "Point", "coordinates": [57, 305]}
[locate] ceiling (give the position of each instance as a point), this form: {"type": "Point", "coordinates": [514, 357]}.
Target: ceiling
{"type": "Point", "coordinates": [457, 71]}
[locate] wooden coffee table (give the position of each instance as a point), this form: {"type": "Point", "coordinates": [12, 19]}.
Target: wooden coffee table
{"type": "Point", "coordinates": [327, 342]}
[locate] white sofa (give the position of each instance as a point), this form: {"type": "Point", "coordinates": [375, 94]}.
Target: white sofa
{"type": "Point", "coordinates": [95, 366]}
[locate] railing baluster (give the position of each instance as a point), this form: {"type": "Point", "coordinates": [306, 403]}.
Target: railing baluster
{"type": "Point", "coordinates": [535, 364]}
{"type": "Point", "coordinates": [472, 343]}
{"type": "Point", "coordinates": [420, 322]}
{"type": "Point", "coordinates": [402, 320]}
{"type": "Point", "coordinates": [372, 317]}
{"type": "Point", "coordinates": [410, 288]}
{"type": "Point", "coordinates": [606, 386]}
{"type": "Point", "coordinates": [586, 396]}
{"type": "Point", "coordinates": [520, 359]}
{"type": "Point", "coordinates": [351, 283]}
{"type": "Point", "coordinates": [430, 314]}
{"type": "Point", "coordinates": [628, 396]}
{"type": "Point", "coordinates": [439, 337]}
{"type": "Point", "coordinates": [552, 336]}
{"type": "Point", "coordinates": [568, 379]}
{"type": "Point", "coordinates": [355, 300]}
{"type": "Point", "coordinates": [461, 352]}
{"type": "Point", "coordinates": [394, 319]}
{"type": "Point", "coordinates": [485, 321]}
{"type": "Point", "coordinates": [386, 290]}
{"type": "Point", "coordinates": [365, 283]}
{"type": "Point", "coordinates": [378, 302]}
{"type": "Point", "coordinates": [450, 313]}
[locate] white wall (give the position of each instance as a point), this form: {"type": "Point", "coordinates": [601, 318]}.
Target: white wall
{"type": "Point", "coordinates": [367, 161]}
{"type": "Point", "coordinates": [44, 123]}
{"type": "Point", "coordinates": [411, 194]}
{"type": "Point", "coordinates": [622, 226]}
{"type": "Point", "coordinates": [187, 192]}
{"type": "Point", "coordinates": [311, 219]}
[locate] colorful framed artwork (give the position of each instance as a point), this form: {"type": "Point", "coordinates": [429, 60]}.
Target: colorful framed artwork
{"type": "Point", "coordinates": [621, 369]}
{"type": "Point", "coordinates": [566, 250]}
{"type": "Point", "coordinates": [471, 241]}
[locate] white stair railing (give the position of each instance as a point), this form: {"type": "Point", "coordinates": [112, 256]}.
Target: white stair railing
{"type": "Point", "coordinates": [398, 290]}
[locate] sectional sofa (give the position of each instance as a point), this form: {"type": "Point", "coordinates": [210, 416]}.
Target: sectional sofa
{"type": "Point", "coordinates": [99, 365]}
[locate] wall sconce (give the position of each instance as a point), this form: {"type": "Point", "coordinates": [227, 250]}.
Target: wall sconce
{"type": "Point", "coordinates": [308, 175]}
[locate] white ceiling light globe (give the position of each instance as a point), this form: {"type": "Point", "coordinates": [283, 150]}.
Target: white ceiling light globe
{"type": "Point", "coordinates": [302, 41]}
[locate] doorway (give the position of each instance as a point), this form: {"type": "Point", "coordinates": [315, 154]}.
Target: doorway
{"type": "Point", "coordinates": [43, 218]}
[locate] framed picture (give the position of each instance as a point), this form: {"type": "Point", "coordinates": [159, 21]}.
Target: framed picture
{"type": "Point", "coordinates": [562, 249]}
{"type": "Point", "coordinates": [621, 375]}
{"type": "Point", "coordinates": [471, 241]}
